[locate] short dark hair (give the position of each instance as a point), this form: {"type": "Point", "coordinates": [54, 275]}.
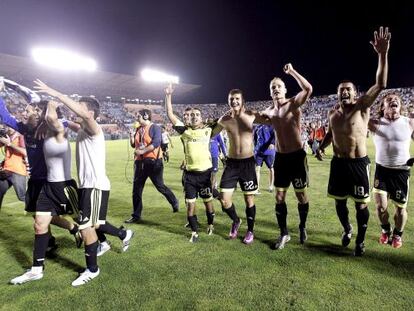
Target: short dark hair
{"type": "Point", "coordinates": [237, 91]}
{"type": "Point", "coordinates": [145, 114]}
{"type": "Point", "coordinates": [348, 81]}
{"type": "Point", "coordinates": [92, 104]}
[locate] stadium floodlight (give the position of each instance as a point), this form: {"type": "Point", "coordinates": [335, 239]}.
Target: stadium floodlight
{"type": "Point", "coordinates": [158, 76]}
{"type": "Point", "coordinates": [63, 59]}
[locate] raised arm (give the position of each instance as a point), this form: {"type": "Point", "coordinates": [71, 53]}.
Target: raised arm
{"type": "Point", "coordinates": [168, 105]}
{"type": "Point", "coordinates": [52, 118]}
{"type": "Point", "coordinates": [306, 87]}
{"type": "Point", "coordinates": [91, 126]}
{"type": "Point", "coordinates": [381, 45]}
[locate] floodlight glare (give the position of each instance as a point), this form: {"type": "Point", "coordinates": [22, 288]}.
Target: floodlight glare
{"type": "Point", "coordinates": [62, 59]}
{"type": "Point", "coordinates": [158, 76]}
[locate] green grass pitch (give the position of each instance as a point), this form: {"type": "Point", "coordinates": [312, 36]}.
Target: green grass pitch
{"type": "Point", "coordinates": [163, 271]}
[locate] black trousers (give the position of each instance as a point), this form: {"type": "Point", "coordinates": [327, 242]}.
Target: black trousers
{"type": "Point", "coordinates": [154, 170]}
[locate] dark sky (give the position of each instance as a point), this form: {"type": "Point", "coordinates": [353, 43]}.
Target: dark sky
{"type": "Point", "coordinates": [221, 44]}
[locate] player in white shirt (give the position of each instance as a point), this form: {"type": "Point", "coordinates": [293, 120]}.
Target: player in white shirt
{"type": "Point", "coordinates": [392, 138]}
{"type": "Point", "coordinates": [94, 185]}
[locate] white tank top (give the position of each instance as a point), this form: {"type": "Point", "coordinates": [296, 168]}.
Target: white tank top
{"type": "Point", "coordinates": [392, 142]}
{"type": "Point", "coordinates": [58, 159]}
{"type": "Point", "coordinates": [90, 160]}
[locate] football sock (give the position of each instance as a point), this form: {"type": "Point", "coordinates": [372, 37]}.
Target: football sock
{"type": "Point", "coordinates": [90, 256]}
{"type": "Point", "coordinates": [40, 247]}
{"type": "Point", "coordinates": [250, 215]}
{"type": "Point", "coordinates": [281, 216]}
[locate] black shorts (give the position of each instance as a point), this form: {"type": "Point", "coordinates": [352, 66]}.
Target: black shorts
{"type": "Point", "coordinates": [242, 171]}
{"type": "Point", "coordinates": [32, 194]}
{"type": "Point", "coordinates": [198, 184]}
{"type": "Point", "coordinates": [292, 168]}
{"type": "Point", "coordinates": [349, 178]}
{"type": "Point", "coordinates": [93, 207]}
{"type": "Point", "coordinates": [392, 182]}
{"type": "Point", "coordinates": [164, 147]}
{"type": "Point", "coordinates": [58, 198]}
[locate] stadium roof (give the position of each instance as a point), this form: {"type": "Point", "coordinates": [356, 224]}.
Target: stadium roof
{"type": "Point", "coordinates": [98, 83]}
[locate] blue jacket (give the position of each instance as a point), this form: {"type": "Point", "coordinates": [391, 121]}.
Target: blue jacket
{"type": "Point", "coordinates": [264, 136]}
{"type": "Point", "coordinates": [217, 145]}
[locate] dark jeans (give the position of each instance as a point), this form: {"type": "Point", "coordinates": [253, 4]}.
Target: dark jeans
{"type": "Point", "coordinates": [154, 169]}
{"type": "Point", "coordinates": [17, 181]}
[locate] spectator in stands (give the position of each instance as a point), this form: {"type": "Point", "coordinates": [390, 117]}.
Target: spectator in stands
{"type": "Point", "coordinates": [148, 164]}
{"type": "Point", "coordinates": [13, 168]}
{"type": "Point", "coordinates": [319, 135]}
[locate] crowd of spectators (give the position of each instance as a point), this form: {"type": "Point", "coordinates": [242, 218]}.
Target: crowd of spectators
{"type": "Point", "coordinates": [117, 118]}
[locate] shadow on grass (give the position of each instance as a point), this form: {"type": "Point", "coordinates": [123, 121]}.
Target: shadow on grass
{"type": "Point", "coordinates": [15, 247]}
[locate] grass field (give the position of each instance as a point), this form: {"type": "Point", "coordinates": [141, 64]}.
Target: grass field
{"type": "Point", "coordinates": [163, 271]}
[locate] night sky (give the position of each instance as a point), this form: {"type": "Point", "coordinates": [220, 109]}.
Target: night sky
{"type": "Point", "coordinates": [221, 44]}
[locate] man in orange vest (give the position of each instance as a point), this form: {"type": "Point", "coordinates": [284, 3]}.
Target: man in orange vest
{"type": "Point", "coordinates": [148, 164]}
{"type": "Point", "coordinates": [13, 169]}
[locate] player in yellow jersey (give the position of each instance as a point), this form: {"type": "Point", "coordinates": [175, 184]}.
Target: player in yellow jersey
{"type": "Point", "coordinates": [195, 137]}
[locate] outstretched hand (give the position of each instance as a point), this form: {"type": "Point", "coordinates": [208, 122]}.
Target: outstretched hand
{"type": "Point", "coordinates": [169, 89]}
{"type": "Point", "coordinates": [43, 88]}
{"type": "Point", "coordinates": [381, 41]}
{"type": "Point", "coordinates": [288, 68]}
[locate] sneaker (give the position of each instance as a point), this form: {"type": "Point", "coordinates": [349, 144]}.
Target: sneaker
{"type": "Point", "coordinates": [359, 249]}
{"type": "Point", "coordinates": [396, 241]}
{"type": "Point", "coordinates": [210, 229]}
{"type": "Point", "coordinates": [235, 229]}
{"type": "Point", "coordinates": [303, 235]}
{"type": "Point", "coordinates": [194, 237]}
{"type": "Point", "coordinates": [33, 274]}
{"type": "Point", "coordinates": [125, 242]}
{"type": "Point", "coordinates": [281, 241]}
{"type": "Point", "coordinates": [346, 237]}
{"type": "Point", "coordinates": [103, 248]}
{"type": "Point", "coordinates": [248, 238]}
{"type": "Point", "coordinates": [85, 277]}
{"type": "Point", "coordinates": [271, 189]}
{"type": "Point", "coordinates": [78, 239]}
{"type": "Point", "coordinates": [385, 237]}
{"type": "Point", "coordinates": [132, 220]}
{"type": "Point", "coordinates": [258, 192]}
